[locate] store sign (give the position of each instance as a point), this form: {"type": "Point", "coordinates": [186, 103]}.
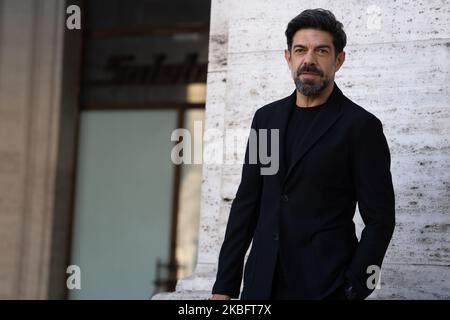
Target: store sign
{"type": "Point", "coordinates": [125, 72]}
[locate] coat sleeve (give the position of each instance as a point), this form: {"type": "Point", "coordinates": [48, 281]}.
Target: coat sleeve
{"type": "Point", "coordinates": [376, 201]}
{"type": "Point", "coordinates": [241, 225]}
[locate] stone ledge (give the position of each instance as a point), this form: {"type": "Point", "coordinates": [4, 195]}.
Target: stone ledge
{"type": "Point", "coordinates": [183, 295]}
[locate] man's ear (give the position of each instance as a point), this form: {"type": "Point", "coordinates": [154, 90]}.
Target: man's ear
{"type": "Point", "coordinates": [340, 60]}
{"type": "Point", "coordinates": [287, 56]}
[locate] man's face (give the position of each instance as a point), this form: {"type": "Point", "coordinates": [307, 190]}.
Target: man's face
{"type": "Point", "coordinates": [313, 61]}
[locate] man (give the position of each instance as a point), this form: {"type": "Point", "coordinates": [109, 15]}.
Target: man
{"type": "Point", "coordinates": [333, 154]}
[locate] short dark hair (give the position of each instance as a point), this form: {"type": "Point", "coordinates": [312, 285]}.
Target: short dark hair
{"type": "Point", "coordinates": [320, 19]}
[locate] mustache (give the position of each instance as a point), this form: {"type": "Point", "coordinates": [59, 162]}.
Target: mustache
{"type": "Point", "coordinates": [309, 69]}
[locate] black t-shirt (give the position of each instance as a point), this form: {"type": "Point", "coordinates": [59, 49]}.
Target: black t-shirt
{"type": "Point", "coordinates": [299, 121]}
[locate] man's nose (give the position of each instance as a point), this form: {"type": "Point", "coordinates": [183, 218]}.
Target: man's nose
{"type": "Point", "coordinates": [309, 58]}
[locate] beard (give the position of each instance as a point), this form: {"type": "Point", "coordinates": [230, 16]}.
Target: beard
{"type": "Point", "coordinates": [309, 87]}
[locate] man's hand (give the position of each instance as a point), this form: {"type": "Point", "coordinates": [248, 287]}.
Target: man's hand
{"type": "Point", "coordinates": [220, 297]}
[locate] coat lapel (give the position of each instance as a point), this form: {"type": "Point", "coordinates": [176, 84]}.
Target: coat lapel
{"type": "Point", "coordinates": [281, 121]}
{"type": "Point", "coordinates": [322, 122]}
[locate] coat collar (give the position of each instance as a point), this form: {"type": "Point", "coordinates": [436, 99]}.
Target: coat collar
{"type": "Point", "coordinates": [322, 122]}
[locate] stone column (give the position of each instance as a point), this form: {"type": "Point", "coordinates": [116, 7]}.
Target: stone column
{"type": "Point", "coordinates": [398, 68]}
{"type": "Point", "coordinates": [31, 42]}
